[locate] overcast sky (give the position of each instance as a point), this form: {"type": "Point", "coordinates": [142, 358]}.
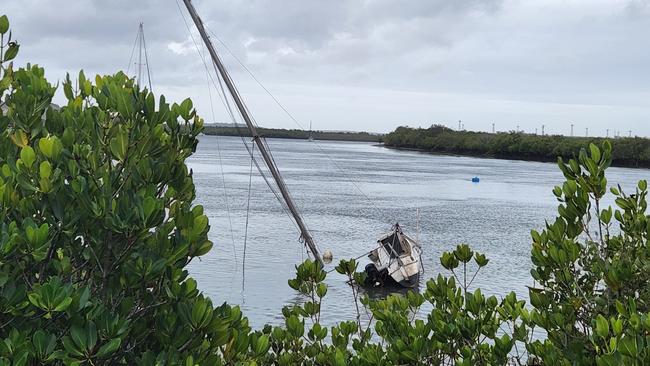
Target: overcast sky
{"type": "Point", "coordinates": [374, 64]}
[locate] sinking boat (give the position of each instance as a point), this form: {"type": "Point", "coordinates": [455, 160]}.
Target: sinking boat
{"type": "Point", "coordinates": [397, 259]}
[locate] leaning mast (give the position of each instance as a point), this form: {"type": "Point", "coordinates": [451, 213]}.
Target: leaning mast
{"type": "Point", "coordinates": [304, 232]}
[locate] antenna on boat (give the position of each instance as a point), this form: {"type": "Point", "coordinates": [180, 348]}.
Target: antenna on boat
{"type": "Point", "coordinates": [243, 111]}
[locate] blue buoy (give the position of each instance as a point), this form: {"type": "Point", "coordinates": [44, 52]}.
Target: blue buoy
{"type": "Point", "coordinates": [475, 180]}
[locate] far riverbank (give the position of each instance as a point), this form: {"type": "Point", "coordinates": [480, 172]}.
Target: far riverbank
{"type": "Point", "coordinates": [631, 152]}
{"type": "Point", "coordinates": [294, 134]}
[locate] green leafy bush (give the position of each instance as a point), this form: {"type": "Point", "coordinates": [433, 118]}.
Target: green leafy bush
{"type": "Point", "coordinates": [628, 151]}
{"type": "Point", "coordinates": [593, 298]}
{"type": "Point", "coordinates": [98, 226]}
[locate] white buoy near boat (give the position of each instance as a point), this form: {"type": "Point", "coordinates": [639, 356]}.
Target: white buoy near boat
{"type": "Point", "coordinates": [328, 256]}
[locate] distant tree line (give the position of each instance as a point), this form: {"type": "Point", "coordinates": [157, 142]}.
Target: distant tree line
{"type": "Point", "coordinates": [628, 152]}
{"type": "Point", "coordinates": [293, 134]}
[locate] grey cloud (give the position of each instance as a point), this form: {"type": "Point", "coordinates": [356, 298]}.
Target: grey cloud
{"type": "Point", "coordinates": [373, 64]}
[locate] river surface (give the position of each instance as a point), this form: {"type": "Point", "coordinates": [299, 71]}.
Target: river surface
{"type": "Point", "coordinates": [351, 193]}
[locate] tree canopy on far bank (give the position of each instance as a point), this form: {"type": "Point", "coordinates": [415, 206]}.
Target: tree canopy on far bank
{"type": "Point", "coordinates": [629, 152]}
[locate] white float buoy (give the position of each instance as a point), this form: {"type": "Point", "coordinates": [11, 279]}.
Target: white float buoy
{"type": "Point", "coordinates": [327, 256]}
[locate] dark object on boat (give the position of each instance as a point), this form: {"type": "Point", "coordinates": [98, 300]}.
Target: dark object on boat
{"type": "Point", "coordinates": [374, 277]}
{"type": "Point", "coordinates": [475, 180]}
{"type": "Point", "coordinates": [396, 260]}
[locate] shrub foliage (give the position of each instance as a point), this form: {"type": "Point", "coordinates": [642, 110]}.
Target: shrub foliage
{"type": "Point", "coordinates": [98, 226]}
{"type": "Point", "coordinates": [627, 151]}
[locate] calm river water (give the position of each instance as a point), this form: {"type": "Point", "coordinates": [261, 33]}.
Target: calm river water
{"type": "Point", "coordinates": [326, 179]}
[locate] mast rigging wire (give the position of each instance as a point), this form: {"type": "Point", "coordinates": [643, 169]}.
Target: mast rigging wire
{"type": "Point", "coordinates": [248, 206]}
{"type": "Point", "coordinates": [139, 53]}
{"type": "Point", "coordinates": [224, 100]}
{"type": "Point", "coordinates": [146, 58]}
{"type": "Point", "coordinates": [223, 176]}
{"type": "Point", "coordinates": [285, 110]}
{"type": "Point", "coordinates": [280, 179]}
{"type": "Point", "coordinates": [135, 43]}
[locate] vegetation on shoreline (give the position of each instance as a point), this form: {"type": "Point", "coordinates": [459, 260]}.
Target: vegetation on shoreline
{"type": "Point", "coordinates": [293, 134]}
{"type": "Point", "coordinates": [98, 225]}
{"type": "Point", "coordinates": [628, 152]}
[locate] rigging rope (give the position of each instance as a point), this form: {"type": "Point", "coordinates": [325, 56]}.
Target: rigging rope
{"type": "Point", "coordinates": [224, 100]}
{"type": "Point", "coordinates": [135, 43]}
{"type": "Point", "coordinates": [286, 111]}
{"type": "Point", "coordinates": [248, 205]}
{"type": "Point", "coordinates": [279, 180]}
{"type": "Point", "coordinates": [223, 176]}
{"type": "Point", "coordinates": [146, 60]}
